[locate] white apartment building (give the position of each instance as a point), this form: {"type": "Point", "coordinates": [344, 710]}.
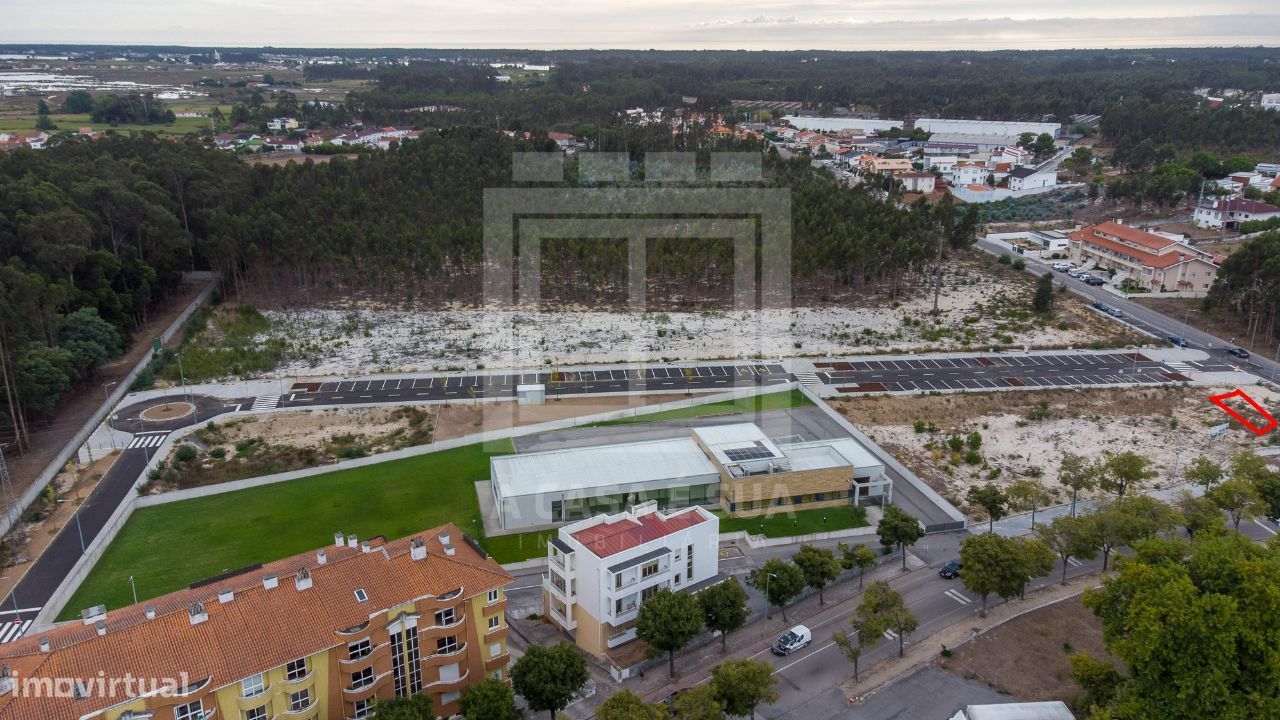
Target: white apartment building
{"type": "Point", "coordinates": [1025, 178]}
{"type": "Point", "coordinates": [601, 569]}
{"type": "Point", "coordinates": [945, 164]}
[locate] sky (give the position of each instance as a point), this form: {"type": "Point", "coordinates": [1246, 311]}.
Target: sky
{"type": "Point", "coordinates": [644, 24]}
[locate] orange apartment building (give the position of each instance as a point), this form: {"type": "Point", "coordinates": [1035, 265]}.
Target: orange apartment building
{"type": "Point", "coordinates": [318, 635]}
{"type": "Point", "coordinates": [1156, 262]}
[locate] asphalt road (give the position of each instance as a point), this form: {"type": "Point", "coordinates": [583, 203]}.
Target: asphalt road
{"type": "Point", "coordinates": [1148, 320]}
{"type": "Point", "coordinates": [35, 588]}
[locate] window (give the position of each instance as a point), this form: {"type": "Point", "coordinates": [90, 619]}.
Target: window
{"type": "Point", "coordinates": [689, 566]}
{"type": "Point", "coordinates": [649, 569]}
{"type": "Point", "coordinates": [450, 697]}
{"type": "Point", "coordinates": [252, 686]}
{"type": "Point", "coordinates": [361, 708]}
{"type": "Point", "coordinates": [258, 713]}
{"type": "Point", "coordinates": [299, 701]}
{"type": "Point", "coordinates": [494, 595]}
{"type": "Point", "coordinates": [445, 616]}
{"type": "Point", "coordinates": [295, 670]}
{"type": "Point", "coordinates": [495, 650]}
{"type": "Point", "coordinates": [617, 580]}
{"type": "Point", "coordinates": [446, 645]}
{"type": "Point", "coordinates": [361, 678]}
{"type": "Point", "coordinates": [359, 649]}
{"type": "Point", "coordinates": [495, 622]}
{"type": "Point", "coordinates": [190, 711]}
{"type": "Point", "coordinates": [650, 592]}
{"type": "Point", "coordinates": [677, 578]}
{"type": "Point", "coordinates": [361, 595]}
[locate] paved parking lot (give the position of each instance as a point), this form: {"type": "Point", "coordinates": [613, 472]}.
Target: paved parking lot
{"type": "Point", "coordinates": [981, 372]}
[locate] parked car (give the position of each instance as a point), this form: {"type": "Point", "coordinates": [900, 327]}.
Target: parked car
{"type": "Point", "coordinates": [1074, 272]}
{"type": "Point", "coordinates": [950, 569]}
{"type": "Point", "coordinates": [1178, 340]}
{"type": "Point", "coordinates": [792, 640]}
{"type": "Point", "coordinates": [1239, 352]}
{"type": "Point", "coordinates": [1115, 313]}
{"type": "Point", "coordinates": [1099, 305]}
{"type": "Point", "coordinates": [1094, 280]}
{"type": "Point", "coordinates": [1061, 266]}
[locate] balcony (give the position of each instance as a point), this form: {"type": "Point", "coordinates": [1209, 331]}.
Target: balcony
{"type": "Point", "coordinates": [446, 685]}
{"type": "Point", "coordinates": [628, 613]}
{"type": "Point", "coordinates": [620, 637]}
{"type": "Point", "coordinates": [497, 662]}
{"type": "Point", "coordinates": [564, 622]}
{"type": "Point", "coordinates": [436, 659]}
{"type": "Point", "coordinates": [307, 712]}
{"type": "Point", "coordinates": [458, 619]}
{"type": "Point", "coordinates": [248, 702]}
{"type": "Point", "coordinates": [374, 653]}
{"type": "Point", "coordinates": [298, 684]}
{"type": "Point", "coordinates": [549, 585]}
{"type": "Point", "coordinates": [364, 691]}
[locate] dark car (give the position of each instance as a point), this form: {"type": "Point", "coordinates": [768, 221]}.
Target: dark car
{"type": "Point", "coordinates": [1099, 305]}
{"type": "Point", "coordinates": [1239, 352]}
{"type": "Point", "coordinates": [950, 569]}
{"type": "Point", "coordinates": [1178, 340]}
{"type": "Point", "coordinates": [1094, 280]}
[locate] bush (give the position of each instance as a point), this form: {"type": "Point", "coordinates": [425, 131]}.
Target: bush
{"type": "Point", "coordinates": [185, 453]}
{"type": "Point", "coordinates": [973, 457]}
{"type": "Point", "coordinates": [1019, 264]}
{"type": "Point", "coordinates": [1005, 259]}
{"type": "Point", "coordinates": [920, 426]}
{"type": "Point", "coordinates": [218, 453]}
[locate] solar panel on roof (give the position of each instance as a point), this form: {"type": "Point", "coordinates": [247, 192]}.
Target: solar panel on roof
{"type": "Point", "coordinates": [757, 452]}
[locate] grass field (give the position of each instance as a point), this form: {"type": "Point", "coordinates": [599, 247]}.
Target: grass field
{"type": "Point", "coordinates": [801, 522]}
{"type": "Point", "coordinates": [72, 123]}
{"type": "Point", "coordinates": [754, 404]}
{"type": "Point", "coordinates": [167, 547]}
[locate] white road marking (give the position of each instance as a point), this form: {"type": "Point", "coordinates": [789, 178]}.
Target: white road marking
{"type": "Point", "coordinates": [1259, 523]}
{"type": "Point", "coordinates": [958, 596]}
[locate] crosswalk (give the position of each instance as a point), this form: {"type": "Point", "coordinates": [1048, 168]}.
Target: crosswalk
{"type": "Point", "coordinates": [1179, 366]}
{"type": "Point", "coordinates": [808, 378]}
{"type": "Point", "coordinates": [890, 635]}
{"type": "Point", "coordinates": [958, 596]}
{"type": "Point", "coordinates": [12, 630]}
{"type": "Point", "coordinates": [147, 440]}
{"type": "Point", "coordinates": [265, 402]}
{"type": "Point", "coordinates": [1074, 562]}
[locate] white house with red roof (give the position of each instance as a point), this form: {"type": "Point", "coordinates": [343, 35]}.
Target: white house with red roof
{"type": "Point", "coordinates": [1156, 262]}
{"type": "Point", "coordinates": [1231, 213]}
{"type": "Point", "coordinates": [601, 569]}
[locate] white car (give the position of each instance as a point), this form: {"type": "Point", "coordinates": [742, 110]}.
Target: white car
{"type": "Point", "coordinates": [1061, 266]}
{"type": "Point", "coordinates": [792, 640]}
{"type": "Point", "coordinates": [1074, 272]}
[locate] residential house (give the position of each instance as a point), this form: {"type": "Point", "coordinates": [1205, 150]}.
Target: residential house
{"type": "Point", "coordinates": [565, 141]}
{"type": "Point", "coordinates": [1025, 178]}
{"type": "Point", "coordinates": [969, 172]}
{"type": "Point", "coordinates": [944, 164]}
{"type": "Point", "coordinates": [317, 635]}
{"type": "Point", "coordinates": [1271, 101]}
{"type": "Point", "coordinates": [917, 182]}
{"type": "Point", "coordinates": [1229, 214]}
{"type": "Point", "coordinates": [601, 569]}
{"type": "Point", "coordinates": [1152, 261]}
{"type": "Point", "coordinates": [282, 123]}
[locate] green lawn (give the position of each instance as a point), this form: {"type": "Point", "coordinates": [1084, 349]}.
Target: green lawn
{"type": "Point", "coordinates": [514, 548]}
{"type": "Point", "coordinates": [801, 522]}
{"type": "Point", "coordinates": [167, 547]}
{"type": "Point", "coordinates": [757, 403]}
{"type": "Point", "coordinates": [73, 123]}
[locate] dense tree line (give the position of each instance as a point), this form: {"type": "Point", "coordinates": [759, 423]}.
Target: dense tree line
{"type": "Point", "coordinates": [1248, 285]}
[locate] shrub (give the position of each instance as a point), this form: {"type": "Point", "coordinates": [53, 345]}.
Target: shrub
{"type": "Point", "coordinates": [1019, 264]}
{"type": "Point", "coordinates": [1005, 259]}
{"type": "Point", "coordinates": [973, 457]}
{"type": "Point", "coordinates": [920, 426]}
{"type": "Point", "coordinates": [185, 453]}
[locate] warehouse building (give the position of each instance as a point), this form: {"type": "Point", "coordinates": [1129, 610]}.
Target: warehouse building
{"type": "Point", "coordinates": [987, 127]}
{"type": "Point", "coordinates": [735, 466]}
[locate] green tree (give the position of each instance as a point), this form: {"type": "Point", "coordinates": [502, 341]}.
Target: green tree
{"type": "Point", "coordinates": [1203, 472]}
{"type": "Point", "coordinates": [883, 608]}
{"type": "Point", "coordinates": [668, 621]}
{"type": "Point", "coordinates": [78, 102]}
{"type": "Point", "coordinates": [724, 608]}
{"type": "Point", "coordinates": [1194, 625]}
{"type": "Point", "coordinates": [489, 699]}
{"type": "Point", "coordinates": [698, 703]}
{"type": "Point", "coordinates": [992, 564]}
{"type": "Point", "coordinates": [1238, 498]}
{"type": "Point", "coordinates": [548, 676]}
{"type": "Point", "coordinates": [43, 374]}
{"type": "Point", "coordinates": [779, 580]}
{"type": "Point", "coordinates": [88, 339]}
{"type": "Point", "coordinates": [990, 498]}
{"type": "Point", "coordinates": [820, 568]}
{"type": "Point", "coordinates": [1028, 494]}
{"type": "Point", "coordinates": [1198, 514]}
{"type": "Point", "coordinates": [1037, 561]}
{"type": "Point", "coordinates": [1099, 680]}
{"type": "Point", "coordinates": [1079, 474]}
{"type": "Point", "coordinates": [413, 707]}
{"type": "Point", "coordinates": [743, 685]}
{"type": "Point", "coordinates": [898, 528]}
{"type": "Point", "coordinates": [1070, 537]}
{"type": "Point", "coordinates": [857, 556]}
{"type": "Point", "coordinates": [1123, 522]}
{"type": "Point", "coordinates": [1124, 472]}
{"type": "Point", "coordinates": [850, 646]}
{"type": "Point", "coordinates": [626, 705]}
{"type": "Point", "coordinates": [1042, 300]}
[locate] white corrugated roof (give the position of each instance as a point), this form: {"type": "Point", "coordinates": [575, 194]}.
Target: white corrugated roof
{"type": "Point", "coordinates": [1053, 710]}
{"type": "Point", "coordinates": [601, 465]}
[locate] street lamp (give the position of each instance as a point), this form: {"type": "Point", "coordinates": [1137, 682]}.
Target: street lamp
{"type": "Point", "coordinates": [13, 593]}
{"type": "Point", "coordinates": [134, 588]}
{"type": "Point", "coordinates": [768, 615]}
{"type": "Point", "coordinates": [182, 377]}
{"type": "Point", "coordinates": [79, 529]}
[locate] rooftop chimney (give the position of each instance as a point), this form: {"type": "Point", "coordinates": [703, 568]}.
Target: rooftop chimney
{"type": "Point", "coordinates": [302, 579]}
{"type": "Point", "coordinates": [364, 546]}
{"type": "Point", "coordinates": [417, 549]}
{"type": "Point", "coordinates": [150, 611]}
{"type": "Point", "coordinates": [322, 557]}
{"type": "Point", "coordinates": [337, 539]}
{"type": "Point", "coordinates": [93, 614]}
{"type": "Point", "coordinates": [44, 644]}
{"type": "Point", "coordinates": [270, 581]}
{"type": "Point", "coordinates": [449, 550]}
{"type": "Point", "coordinates": [226, 595]}
{"type": "Point", "coordinates": [444, 538]}
{"type": "Point", "coordinates": [101, 627]}
{"type": "Point", "coordinates": [196, 613]}
{"type": "Point", "coordinates": [351, 541]}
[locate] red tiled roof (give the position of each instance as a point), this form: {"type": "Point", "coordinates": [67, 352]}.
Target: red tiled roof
{"type": "Point", "coordinates": [608, 539]}
{"type": "Point", "coordinates": [1140, 255]}
{"type": "Point", "coordinates": [1128, 234]}
{"type": "Point", "coordinates": [1242, 205]}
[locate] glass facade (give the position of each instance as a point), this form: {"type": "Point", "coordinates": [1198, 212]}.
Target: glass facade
{"type": "Point", "coordinates": [580, 508]}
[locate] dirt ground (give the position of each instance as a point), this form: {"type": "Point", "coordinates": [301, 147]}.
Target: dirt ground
{"type": "Point", "coordinates": [1027, 657]}
{"type": "Point", "coordinates": [1024, 434]}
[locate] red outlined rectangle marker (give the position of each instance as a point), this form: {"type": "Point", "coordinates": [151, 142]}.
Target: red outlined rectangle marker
{"type": "Point", "coordinates": [1221, 401]}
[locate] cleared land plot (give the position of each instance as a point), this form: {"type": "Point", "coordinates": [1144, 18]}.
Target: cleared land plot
{"type": "Point", "coordinates": [1026, 658]}
{"type": "Point", "coordinates": [167, 547]}
{"type": "Point", "coordinates": [1024, 434]}
{"type": "Point", "coordinates": [754, 404]}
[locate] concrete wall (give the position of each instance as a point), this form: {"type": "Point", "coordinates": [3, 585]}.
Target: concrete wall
{"type": "Point", "coordinates": [82, 435]}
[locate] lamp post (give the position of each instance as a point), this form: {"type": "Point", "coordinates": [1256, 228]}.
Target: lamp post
{"type": "Point", "coordinates": [106, 398]}
{"type": "Point", "coordinates": [182, 377]}
{"type": "Point", "coordinates": [134, 588]}
{"type": "Point", "coordinates": [13, 593]}
{"type": "Point", "coordinates": [768, 615]}
{"type": "Point", "coordinates": [79, 529]}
